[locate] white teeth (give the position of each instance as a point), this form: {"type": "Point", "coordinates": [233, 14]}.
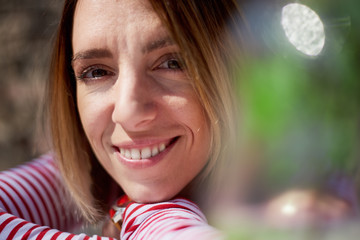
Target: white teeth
{"type": "Point", "coordinates": [127, 153]}
{"type": "Point", "coordinates": [154, 151]}
{"type": "Point", "coordinates": [162, 147]}
{"type": "Point", "coordinates": [137, 154]}
{"type": "Point", "coordinates": [146, 153]}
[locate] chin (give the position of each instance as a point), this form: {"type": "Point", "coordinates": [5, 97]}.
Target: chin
{"type": "Point", "coordinates": [150, 196]}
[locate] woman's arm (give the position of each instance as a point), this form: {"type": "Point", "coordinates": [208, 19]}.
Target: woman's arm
{"type": "Point", "coordinates": [33, 196]}
{"type": "Point", "coordinates": [13, 227]}
{"type": "Point", "coordinates": [36, 193]}
{"type": "Point", "coordinates": [175, 219]}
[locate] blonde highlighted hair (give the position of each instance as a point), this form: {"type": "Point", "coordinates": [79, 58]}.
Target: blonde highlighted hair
{"type": "Point", "coordinates": [203, 31]}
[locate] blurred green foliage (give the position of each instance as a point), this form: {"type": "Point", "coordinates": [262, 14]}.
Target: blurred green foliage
{"type": "Point", "coordinates": [302, 112]}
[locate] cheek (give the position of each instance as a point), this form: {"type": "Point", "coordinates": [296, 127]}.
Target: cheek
{"type": "Point", "coordinates": [186, 109]}
{"type": "Point", "coordinates": [191, 114]}
{"type": "Point", "coordinates": [94, 117]}
{"type": "Point", "coordinates": [199, 125]}
{"type": "Point", "coordinates": [202, 141]}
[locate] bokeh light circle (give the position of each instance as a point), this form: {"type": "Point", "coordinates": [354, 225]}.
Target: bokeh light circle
{"type": "Point", "coordinates": [303, 28]}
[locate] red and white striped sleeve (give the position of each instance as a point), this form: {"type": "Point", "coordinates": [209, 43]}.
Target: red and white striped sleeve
{"type": "Point", "coordinates": [35, 192]}
{"type": "Point", "coordinates": [175, 219]}
{"type": "Point", "coordinates": [33, 196]}
{"type": "Point", "coordinates": [33, 204]}
{"type": "Point", "coordinates": [12, 227]}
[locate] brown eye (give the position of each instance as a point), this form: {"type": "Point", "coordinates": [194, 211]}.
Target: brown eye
{"type": "Point", "coordinates": [94, 72]}
{"type": "Point", "coordinates": [173, 64]}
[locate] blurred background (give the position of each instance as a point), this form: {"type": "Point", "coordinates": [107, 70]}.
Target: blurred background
{"type": "Point", "coordinates": [299, 98]}
{"type": "Point", "coordinates": [26, 31]}
{"type": "Point", "coordinates": [301, 109]}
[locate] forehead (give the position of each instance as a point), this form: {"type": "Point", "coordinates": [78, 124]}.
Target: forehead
{"type": "Point", "coordinates": [95, 9]}
{"type": "Point", "coordinates": [113, 20]}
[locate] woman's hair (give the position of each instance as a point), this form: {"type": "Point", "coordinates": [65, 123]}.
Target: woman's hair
{"type": "Point", "coordinates": [203, 30]}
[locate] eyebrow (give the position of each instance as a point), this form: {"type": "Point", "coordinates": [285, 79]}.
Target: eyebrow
{"type": "Point", "coordinates": [105, 53]}
{"type": "Point", "coordinates": [158, 44]}
{"type": "Point", "coordinates": [92, 53]}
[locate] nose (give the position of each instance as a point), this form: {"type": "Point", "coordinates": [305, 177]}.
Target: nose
{"type": "Point", "coordinates": [134, 105]}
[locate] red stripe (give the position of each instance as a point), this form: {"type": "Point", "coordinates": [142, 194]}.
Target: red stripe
{"type": "Point", "coordinates": [182, 227]}
{"type": "Point", "coordinates": [42, 234]}
{"type": "Point", "coordinates": [55, 236]}
{"type": "Point", "coordinates": [14, 203]}
{"type": "Point", "coordinates": [132, 228]}
{"type": "Point", "coordinates": [27, 234]}
{"type": "Point", "coordinates": [7, 209]}
{"type": "Point", "coordinates": [48, 158]}
{"type": "Point", "coordinates": [168, 206]}
{"type": "Point", "coordinates": [151, 220]}
{"type": "Point", "coordinates": [6, 222]}
{"type": "Point", "coordinates": [130, 223]}
{"type": "Point", "coordinates": [51, 162]}
{"type": "Point", "coordinates": [160, 233]}
{"type": "Point", "coordinates": [159, 217]}
{"type": "Point", "coordinates": [22, 200]}
{"type": "Point", "coordinates": [170, 228]}
{"type": "Point", "coordinates": [185, 201]}
{"type": "Point", "coordinates": [196, 210]}
{"type": "Point", "coordinates": [16, 229]}
{"type": "Point", "coordinates": [70, 237]}
{"type": "Point", "coordinates": [129, 226]}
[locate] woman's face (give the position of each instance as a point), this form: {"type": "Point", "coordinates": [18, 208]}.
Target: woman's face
{"type": "Point", "coordinates": [136, 103]}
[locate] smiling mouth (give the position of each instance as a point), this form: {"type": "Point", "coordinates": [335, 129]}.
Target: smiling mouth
{"type": "Point", "coordinates": [146, 152]}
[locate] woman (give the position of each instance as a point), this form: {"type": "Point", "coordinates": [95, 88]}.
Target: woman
{"type": "Point", "coordinates": [141, 104]}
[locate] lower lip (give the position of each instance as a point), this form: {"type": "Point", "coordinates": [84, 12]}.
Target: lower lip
{"type": "Point", "coordinates": [144, 163]}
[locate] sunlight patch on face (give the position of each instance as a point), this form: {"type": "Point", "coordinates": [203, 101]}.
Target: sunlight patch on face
{"type": "Point", "coordinates": [303, 28]}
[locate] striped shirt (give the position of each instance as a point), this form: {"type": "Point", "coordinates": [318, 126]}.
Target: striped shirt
{"type": "Point", "coordinates": [34, 203]}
